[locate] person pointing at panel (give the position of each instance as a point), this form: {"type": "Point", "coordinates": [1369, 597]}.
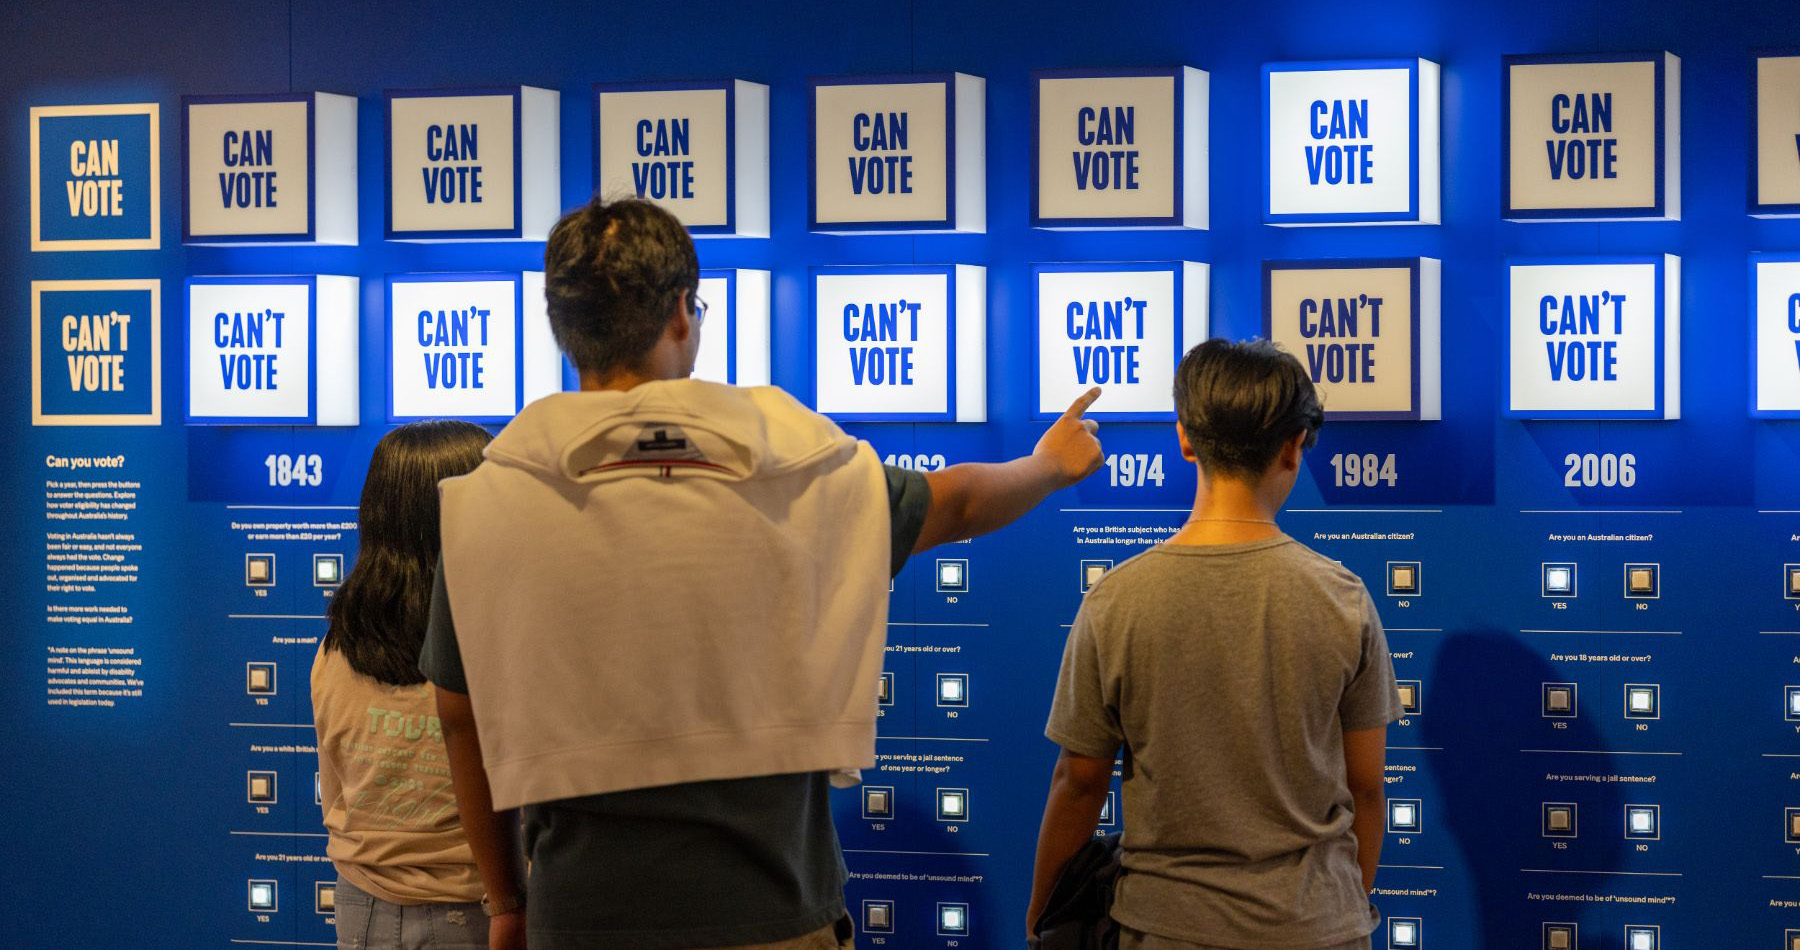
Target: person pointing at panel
{"type": "Point", "coordinates": [660, 616]}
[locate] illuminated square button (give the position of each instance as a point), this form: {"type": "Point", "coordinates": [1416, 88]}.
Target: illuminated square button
{"type": "Point", "coordinates": [953, 804]}
{"type": "Point", "coordinates": [1403, 578]}
{"type": "Point", "coordinates": [1559, 580]}
{"type": "Point", "coordinates": [325, 897]}
{"type": "Point", "coordinates": [953, 920]}
{"type": "Point", "coordinates": [1793, 940]}
{"type": "Point", "coordinates": [1559, 700]}
{"type": "Point", "coordinates": [1409, 691]}
{"type": "Point", "coordinates": [1403, 815]}
{"type": "Point", "coordinates": [259, 570]}
{"type": "Point", "coordinates": [328, 570]}
{"type": "Point", "coordinates": [259, 678]}
{"type": "Point", "coordinates": [1642, 700]}
{"type": "Point", "coordinates": [1791, 695]}
{"type": "Point", "coordinates": [1559, 820]}
{"type": "Point", "coordinates": [262, 787]}
{"type": "Point", "coordinates": [1091, 572]}
{"type": "Point", "coordinates": [1559, 937]}
{"type": "Point", "coordinates": [878, 917]}
{"type": "Point", "coordinates": [1403, 933]}
{"type": "Point", "coordinates": [1106, 809]}
{"type": "Point", "coordinates": [953, 689]}
{"type": "Point", "coordinates": [884, 690]}
{"type": "Point", "coordinates": [262, 896]}
{"type": "Point", "coordinates": [1790, 575]}
{"type": "Point", "coordinates": [1792, 816]}
{"type": "Point", "coordinates": [878, 801]}
{"type": "Point", "coordinates": [952, 576]}
{"type": "Point", "coordinates": [1639, 937]}
{"type": "Point", "coordinates": [1643, 822]}
{"type": "Point", "coordinates": [1642, 580]}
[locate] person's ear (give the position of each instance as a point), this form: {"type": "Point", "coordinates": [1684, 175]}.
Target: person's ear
{"type": "Point", "coordinates": [680, 325]}
{"type": "Point", "coordinates": [1291, 451]}
{"type": "Point", "coordinates": [1187, 448]}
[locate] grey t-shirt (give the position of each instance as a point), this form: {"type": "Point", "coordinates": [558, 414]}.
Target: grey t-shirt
{"type": "Point", "coordinates": [702, 864]}
{"type": "Point", "coordinates": [1229, 673]}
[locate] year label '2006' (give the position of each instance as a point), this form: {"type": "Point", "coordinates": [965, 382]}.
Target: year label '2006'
{"type": "Point", "coordinates": [1607, 471]}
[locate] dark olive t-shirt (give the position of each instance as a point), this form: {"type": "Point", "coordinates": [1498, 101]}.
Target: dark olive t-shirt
{"type": "Point", "coordinates": [702, 864]}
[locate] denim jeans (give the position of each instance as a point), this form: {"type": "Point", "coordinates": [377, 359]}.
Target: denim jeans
{"type": "Point", "coordinates": [366, 922]}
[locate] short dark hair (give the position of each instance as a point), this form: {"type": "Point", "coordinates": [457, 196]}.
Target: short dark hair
{"type": "Point", "coordinates": [1240, 402]}
{"type": "Point", "coordinates": [613, 272]}
{"type": "Point", "coordinates": [377, 618]}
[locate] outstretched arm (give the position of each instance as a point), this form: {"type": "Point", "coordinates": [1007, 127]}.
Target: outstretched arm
{"type": "Point", "coordinates": [978, 497]}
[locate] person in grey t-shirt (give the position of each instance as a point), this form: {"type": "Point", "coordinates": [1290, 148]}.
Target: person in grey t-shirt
{"type": "Point", "coordinates": [1247, 680]}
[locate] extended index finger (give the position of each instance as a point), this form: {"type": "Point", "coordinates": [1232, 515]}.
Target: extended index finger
{"type": "Point", "coordinates": [1079, 407]}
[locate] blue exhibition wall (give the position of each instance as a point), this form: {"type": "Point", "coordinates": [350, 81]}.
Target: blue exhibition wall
{"type": "Point", "coordinates": [160, 675]}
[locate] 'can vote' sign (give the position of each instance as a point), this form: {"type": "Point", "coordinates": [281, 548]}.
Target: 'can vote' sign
{"type": "Point", "coordinates": [94, 178]}
{"type": "Point", "coordinates": [473, 165]}
{"type": "Point", "coordinates": [1120, 149]}
{"type": "Point", "coordinates": [700, 150]}
{"type": "Point", "coordinates": [1351, 142]}
{"type": "Point", "coordinates": [269, 169]}
{"type": "Point", "coordinates": [1592, 138]}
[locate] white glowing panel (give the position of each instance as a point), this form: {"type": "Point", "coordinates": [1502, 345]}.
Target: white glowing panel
{"type": "Point", "coordinates": [1596, 338]}
{"type": "Point", "coordinates": [272, 350]}
{"type": "Point", "coordinates": [1775, 317]}
{"type": "Point", "coordinates": [1351, 142]}
{"type": "Point", "coordinates": [468, 346]}
{"type": "Point", "coordinates": [901, 344]}
{"type": "Point", "coordinates": [1122, 327]}
{"type": "Point", "coordinates": [734, 340]}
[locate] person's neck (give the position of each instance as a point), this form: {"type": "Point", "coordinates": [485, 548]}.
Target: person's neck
{"type": "Point", "coordinates": [617, 379]}
{"type": "Point", "coordinates": [1227, 511]}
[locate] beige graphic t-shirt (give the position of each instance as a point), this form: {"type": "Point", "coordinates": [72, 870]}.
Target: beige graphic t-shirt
{"type": "Point", "coordinates": [384, 785]}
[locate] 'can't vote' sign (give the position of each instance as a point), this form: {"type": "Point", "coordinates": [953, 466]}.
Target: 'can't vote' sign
{"type": "Point", "coordinates": [1596, 339]}
{"type": "Point", "coordinates": [96, 347]}
{"type": "Point", "coordinates": [1366, 331]}
{"type": "Point", "coordinates": [472, 346]}
{"type": "Point", "coordinates": [901, 344]}
{"type": "Point", "coordinates": [1122, 327]}
{"type": "Point", "coordinates": [272, 350]}
{"type": "Point", "coordinates": [1775, 298]}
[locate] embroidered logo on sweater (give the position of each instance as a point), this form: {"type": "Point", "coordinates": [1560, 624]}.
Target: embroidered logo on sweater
{"type": "Point", "coordinates": [663, 442]}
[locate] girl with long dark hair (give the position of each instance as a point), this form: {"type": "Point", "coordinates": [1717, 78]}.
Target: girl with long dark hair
{"type": "Point", "coordinates": [406, 876]}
